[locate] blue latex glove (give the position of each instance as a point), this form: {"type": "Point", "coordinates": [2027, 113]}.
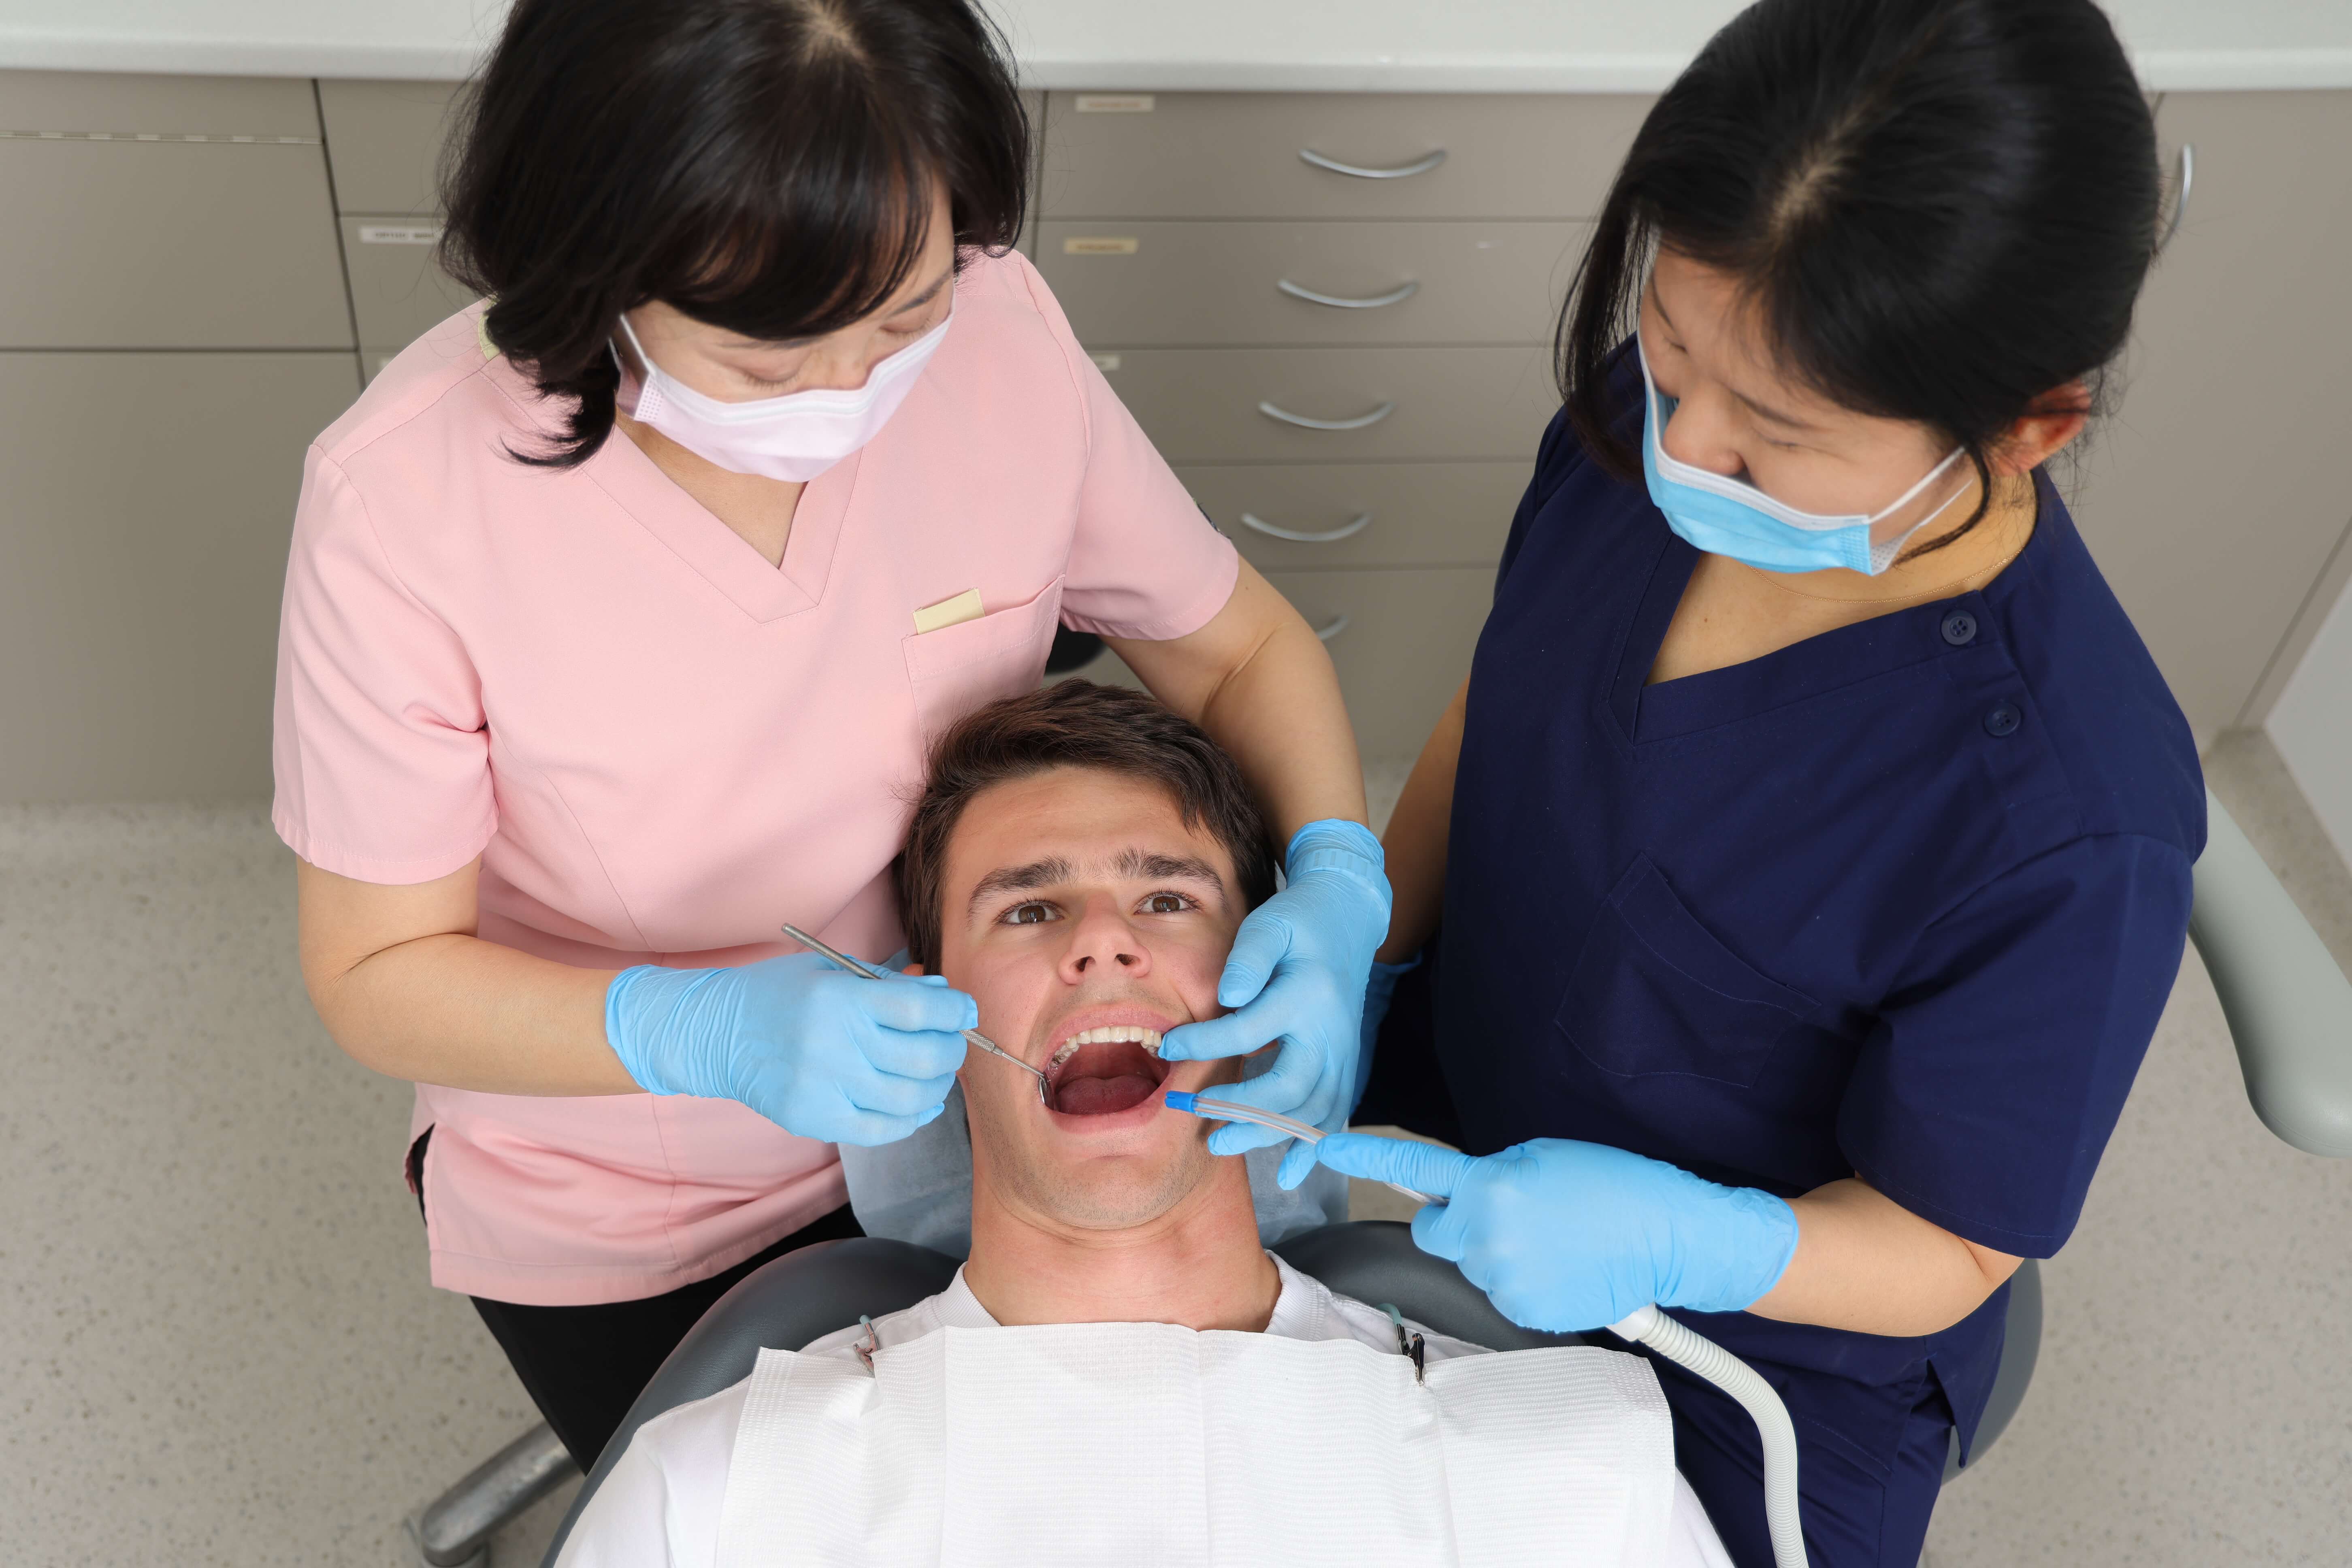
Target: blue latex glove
{"type": "Point", "coordinates": [1565, 1237]}
{"type": "Point", "coordinates": [1380, 989]}
{"type": "Point", "coordinates": [1297, 973]}
{"type": "Point", "coordinates": [816, 1050]}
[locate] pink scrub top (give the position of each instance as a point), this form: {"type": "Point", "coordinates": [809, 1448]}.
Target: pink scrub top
{"type": "Point", "coordinates": [661, 746]}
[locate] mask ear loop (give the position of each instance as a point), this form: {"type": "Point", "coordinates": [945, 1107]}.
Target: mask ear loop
{"type": "Point", "coordinates": [1882, 556]}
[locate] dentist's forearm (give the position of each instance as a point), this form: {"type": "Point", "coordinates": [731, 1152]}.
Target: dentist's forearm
{"type": "Point", "coordinates": [1260, 682]}
{"type": "Point", "coordinates": [405, 988]}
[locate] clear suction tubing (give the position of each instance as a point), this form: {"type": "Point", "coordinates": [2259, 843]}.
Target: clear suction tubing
{"type": "Point", "coordinates": [1695, 1353]}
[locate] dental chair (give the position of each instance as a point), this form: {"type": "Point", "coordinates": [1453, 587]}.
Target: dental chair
{"type": "Point", "coordinates": [2289, 1010]}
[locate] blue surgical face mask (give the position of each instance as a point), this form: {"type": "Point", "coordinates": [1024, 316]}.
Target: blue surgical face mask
{"type": "Point", "coordinates": [1731, 517]}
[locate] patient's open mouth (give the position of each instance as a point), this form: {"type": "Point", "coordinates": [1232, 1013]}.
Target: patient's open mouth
{"type": "Point", "coordinates": [1098, 1071]}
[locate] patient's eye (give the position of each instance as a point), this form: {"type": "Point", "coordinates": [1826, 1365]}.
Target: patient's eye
{"type": "Point", "coordinates": [1029, 914]}
{"type": "Point", "coordinates": [1168, 904]}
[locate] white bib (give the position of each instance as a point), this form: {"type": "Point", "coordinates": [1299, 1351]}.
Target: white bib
{"type": "Point", "coordinates": [1142, 1445]}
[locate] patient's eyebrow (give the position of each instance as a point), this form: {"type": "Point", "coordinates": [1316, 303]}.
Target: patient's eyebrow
{"type": "Point", "coordinates": [1042, 873]}
{"type": "Point", "coordinates": [1144, 866]}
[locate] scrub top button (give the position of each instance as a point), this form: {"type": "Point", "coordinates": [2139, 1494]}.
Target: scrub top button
{"type": "Point", "coordinates": [1960, 629]}
{"type": "Point", "coordinates": [2003, 719]}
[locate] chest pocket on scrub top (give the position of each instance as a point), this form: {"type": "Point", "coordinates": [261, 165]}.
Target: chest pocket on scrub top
{"type": "Point", "coordinates": [1654, 991]}
{"type": "Point", "coordinates": [960, 668]}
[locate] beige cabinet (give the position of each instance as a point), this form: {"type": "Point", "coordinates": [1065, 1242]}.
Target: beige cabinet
{"type": "Point", "coordinates": [1332, 405]}
{"type": "Point", "coordinates": [1321, 283]}
{"type": "Point", "coordinates": [1319, 516]}
{"type": "Point", "coordinates": [1332, 155]}
{"type": "Point", "coordinates": [387, 142]}
{"type": "Point", "coordinates": [1401, 639]}
{"type": "Point", "coordinates": [143, 524]}
{"type": "Point", "coordinates": [1332, 313]}
{"type": "Point", "coordinates": [165, 212]}
{"type": "Point", "coordinates": [397, 291]}
{"type": "Point", "coordinates": [2214, 497]}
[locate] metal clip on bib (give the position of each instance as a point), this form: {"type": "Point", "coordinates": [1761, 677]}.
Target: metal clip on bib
{"type": "Point", "coordinates": [1408, 1345]}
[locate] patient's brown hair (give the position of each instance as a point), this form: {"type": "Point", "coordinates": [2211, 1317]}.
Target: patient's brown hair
{"type": "Point", "coordinates": [1075, 724]}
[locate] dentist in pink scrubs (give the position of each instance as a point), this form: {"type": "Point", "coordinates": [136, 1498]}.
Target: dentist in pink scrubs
{"type": "Point", "coordinates": [620, 611]}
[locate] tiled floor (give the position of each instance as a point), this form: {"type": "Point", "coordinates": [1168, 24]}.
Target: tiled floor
{"type": "Point", "coordinates": [216, 1345]}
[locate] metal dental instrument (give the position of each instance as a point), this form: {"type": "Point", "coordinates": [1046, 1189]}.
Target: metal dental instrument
{"type": "Point", "coordinates": [1229, 1111]}
{"type": "Point", "coordinates": [971, 1036]}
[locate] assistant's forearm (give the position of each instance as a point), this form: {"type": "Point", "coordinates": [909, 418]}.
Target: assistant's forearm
{"type": "Point", "coordinates": [1415, 840]}
{"type": "Point", "coordinates": [455, 1010]}
{"type": "Point", "coordinates": [1864, 1262]}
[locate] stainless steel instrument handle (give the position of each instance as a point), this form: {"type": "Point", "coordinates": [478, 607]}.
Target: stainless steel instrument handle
{"type": "Point", "coordinates": [2180, 200]}
{"type": "Point", "coordinates": [1329, 536]}
{"type": "Point", "coordinates": [1402, 171]}
{"type": "Point", "coordinates": [1341, 303]}
{"type": "Point", "coordinates": [1360, 422]}
{"type": "Point", "coordinates": [1331, 628]}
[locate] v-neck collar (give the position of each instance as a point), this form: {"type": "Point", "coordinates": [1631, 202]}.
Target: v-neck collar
{"type": "Point", "coordinates": [724, 558]}
{"type": "Point", "coordinates": [1823, 662]}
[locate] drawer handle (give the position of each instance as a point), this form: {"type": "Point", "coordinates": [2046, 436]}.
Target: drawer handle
{"type": "Point", "coordinates": [1329, 536]}
{"type": "Point", "coordinates": [1402, 171]}
{"type": "Point", "coordinates": [1331, 628]}
{"type": "Point", "coordinates": [1341, 303]}
{"type": "Point", "coordinates": [1360, 422]}
{"type": "Point", "coordinates": [2180, 198]}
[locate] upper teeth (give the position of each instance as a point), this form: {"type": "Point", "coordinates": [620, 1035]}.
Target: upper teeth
{"type": "Point", "coordinates": [1136, 1033]}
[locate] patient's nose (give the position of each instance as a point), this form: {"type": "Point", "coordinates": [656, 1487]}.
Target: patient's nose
{"type": "Point", "coordinates": [1103, 942]}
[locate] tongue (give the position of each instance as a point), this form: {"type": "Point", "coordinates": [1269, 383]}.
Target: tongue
{"type": "Point", "coordinates": [1102, 1096]}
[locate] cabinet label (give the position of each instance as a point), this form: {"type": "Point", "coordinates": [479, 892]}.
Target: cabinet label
{"type": "Point", "coordinates": [399, 233]}
{"type": "Point", "coordinates": [1114, 103]}
{"type": "Point", "coordinates": [1101, 244]}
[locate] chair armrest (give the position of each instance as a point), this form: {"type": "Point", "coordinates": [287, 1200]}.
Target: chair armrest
{"type": "Point", "coordinates": [2288, 1004]}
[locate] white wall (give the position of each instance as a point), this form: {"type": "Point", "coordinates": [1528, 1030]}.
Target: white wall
{"type": "Point", "coordinates": [2312, 725]}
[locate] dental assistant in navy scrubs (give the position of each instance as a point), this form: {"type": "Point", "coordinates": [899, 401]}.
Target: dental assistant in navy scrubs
{"type": "Point", "coordinates": [1803, 870]}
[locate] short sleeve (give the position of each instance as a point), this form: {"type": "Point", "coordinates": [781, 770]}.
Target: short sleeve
{"type": "Point", "coordinates": [379, 745]}
{"type": "Point", "coordinates": [1145, 562]}
{"type": "Point", "coordinates": [1987, 1092]}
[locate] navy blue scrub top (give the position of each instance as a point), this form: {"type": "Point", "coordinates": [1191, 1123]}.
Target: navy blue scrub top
{"type": "Point", "coordinates": [1902, 901]}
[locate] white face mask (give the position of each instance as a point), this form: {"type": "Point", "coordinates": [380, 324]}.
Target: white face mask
{"type": "Point", "coordinates": [793, 438]}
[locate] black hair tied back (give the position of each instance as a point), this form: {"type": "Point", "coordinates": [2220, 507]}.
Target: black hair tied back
{"type": "Point", "coordinates": [762, 165]}
{"type": "Point", "coordinates": [1942, 210]}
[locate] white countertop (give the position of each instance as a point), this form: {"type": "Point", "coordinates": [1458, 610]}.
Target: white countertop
{"type": "Point", "coordinates": [1396, 46]}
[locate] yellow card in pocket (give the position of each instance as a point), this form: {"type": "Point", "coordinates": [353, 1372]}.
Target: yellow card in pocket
{"type": "Point", "coordinates": [964, 606]}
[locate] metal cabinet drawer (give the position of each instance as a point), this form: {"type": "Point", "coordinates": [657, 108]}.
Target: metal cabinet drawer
{"type": "Point", "coordinates": [1401, 641]}
{"type": "Point", "coordinates": [397, 292]}
{"type": "Point", "coordinates": [1249, 283]}
{"type": "Point", "coordinates": [191, 214]}
{"type": "Point", "coordinates": [1218, 155]}
{"type": "Point", "coordinates": [140, 577]}
{"type": "Point", "coordinates": [1323, 515]}
{"type": "Point", "coordinates": [1223, 405]}
{"type": "Point", "coordinates": [384, 141]}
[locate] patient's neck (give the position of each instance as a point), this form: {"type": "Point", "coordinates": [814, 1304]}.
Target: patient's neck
{"type": "Point", "coordinates": [1199, 1265]}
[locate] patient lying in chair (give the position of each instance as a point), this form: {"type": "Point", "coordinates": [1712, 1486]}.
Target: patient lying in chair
{"type": "Point", "coordinates": [1079, 862]}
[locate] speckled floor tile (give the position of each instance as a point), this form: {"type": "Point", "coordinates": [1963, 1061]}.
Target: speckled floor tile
{"type": "Point", "coordinates": [215, 1334]}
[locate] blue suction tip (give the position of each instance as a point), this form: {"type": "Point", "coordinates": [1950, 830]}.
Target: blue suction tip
{"type": "Point", "coordinates": [1178, 1100]}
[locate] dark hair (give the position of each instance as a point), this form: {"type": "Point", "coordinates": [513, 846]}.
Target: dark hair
{"type": "Point", "coordinates": [1075, 724]}
{"type": "Point", "coordinates": [760, 164]}
{"type": "Point", "coordinates": [1941, 210]}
